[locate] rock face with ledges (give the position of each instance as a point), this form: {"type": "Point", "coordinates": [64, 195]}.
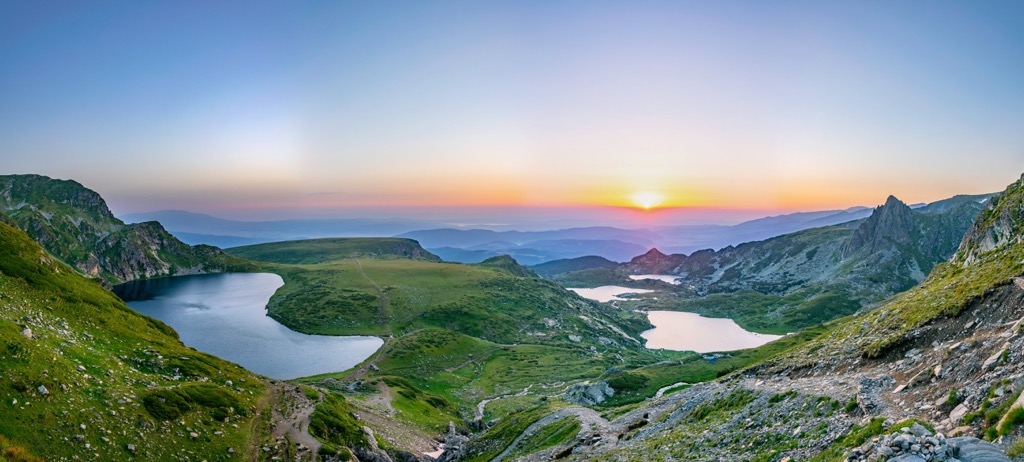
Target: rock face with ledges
{"type": "Point", "coordinates": [1000, 224]}
{"type": "Point", "coordinates": [74, 224]}
{"type": "Point", "coordinates": [889, 251]}
{"type": "Point", "coordinates": [891, 223]}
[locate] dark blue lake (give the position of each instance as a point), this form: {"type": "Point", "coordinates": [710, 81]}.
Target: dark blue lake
{"type": "Point", "coordinates": [225, 315]}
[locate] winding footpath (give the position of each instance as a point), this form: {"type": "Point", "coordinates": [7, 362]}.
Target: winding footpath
{"type": "Point", "coordinates": [293, 415]}
{"type": "Point", "coordinates": [384, 309]}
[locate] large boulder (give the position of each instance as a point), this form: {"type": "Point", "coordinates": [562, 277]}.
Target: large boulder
{"type": "Point", "coordinates": [589, 394]}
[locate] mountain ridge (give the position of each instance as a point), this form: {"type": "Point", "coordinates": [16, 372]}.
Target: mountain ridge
{"type": "Point", "coordinates": [74, 224]}
{"type": "Point", "coordinates": [800, 279]}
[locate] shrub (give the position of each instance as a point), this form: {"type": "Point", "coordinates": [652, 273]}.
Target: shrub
{"type": "Point", "coordinates": [628, 381]}
{"type": "Point", "coordinates": [851, 405]}
{"type": "Point", "coordinates": [952, 400]}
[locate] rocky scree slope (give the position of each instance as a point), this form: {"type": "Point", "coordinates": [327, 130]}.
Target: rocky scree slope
{"type": "Point", "coordinates": [74, 224]}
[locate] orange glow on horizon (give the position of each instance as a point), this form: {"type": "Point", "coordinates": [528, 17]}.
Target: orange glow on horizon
{"type": "Point", "coordinates": [648, 199]}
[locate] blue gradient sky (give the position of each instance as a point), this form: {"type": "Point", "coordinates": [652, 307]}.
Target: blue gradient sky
{"type": "Point", "coordinates": [252, 108]}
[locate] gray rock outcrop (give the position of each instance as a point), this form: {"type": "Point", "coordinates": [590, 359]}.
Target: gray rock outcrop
{"type": "Point", "coordinates": [589, 394]}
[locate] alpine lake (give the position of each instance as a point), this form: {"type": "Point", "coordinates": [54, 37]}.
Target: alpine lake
{"type": "Point", "coordinates": [225, 315]}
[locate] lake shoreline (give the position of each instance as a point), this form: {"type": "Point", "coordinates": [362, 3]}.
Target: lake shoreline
{"type": "Point", "coordinates": [225, 315]}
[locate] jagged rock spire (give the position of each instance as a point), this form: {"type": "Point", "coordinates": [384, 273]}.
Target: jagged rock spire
{"type": "Point", "coordinates": [892, 222]}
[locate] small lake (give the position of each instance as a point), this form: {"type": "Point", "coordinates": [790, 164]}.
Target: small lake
{"type": "Point", "coordinates": [608, 293]}
{"type": "Point", "coordinates": [657, 277]}
{"type": "Point", "coordinates": [225, 315]}
{"type": "Point", "coordinates": [676, 330]}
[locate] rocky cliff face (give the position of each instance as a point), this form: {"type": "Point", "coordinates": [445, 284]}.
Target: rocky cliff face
{"type": "Point", "coordinates": [1000, 224]}
{"type": "Point", "coordinates": [74, 224]}
{"type": "Point", "coordinates": [654, 262]}
{"type": "Point", "coordinates": [890, 223]}
{"type": "Point", "coordinates": [890, 251]}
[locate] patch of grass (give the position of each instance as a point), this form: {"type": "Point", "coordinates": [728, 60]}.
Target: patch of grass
{"type": "Point", "coordinates": [550, 435]}
{"type": "Point", "coordinates": [333, 424]}
{"type": "Point", "coordinates": [857, 436]}
{"type": "Point", "coordinates": [782, 396]}
{"type": "Point", "coordinates": [627, 381]}
{"type": "Point", "coordinates": [1016, 449]}
{"type": "Point", "coordinates": [400, 296]}
{"type": "Point", "coordinates": [735, 400]}
{"type": "Point", "coordinates": [1013, 419]}
{"type": "Point", "coordinates": [851, 405]}
{"type": "Point", "coordinates": [493, 441]}
{"type": "Point", "coordinates": [310, 392]}
{"type": "Point", "coordinates": [424, 409]}
{"type": "Point", "coordinates": [171, 403]}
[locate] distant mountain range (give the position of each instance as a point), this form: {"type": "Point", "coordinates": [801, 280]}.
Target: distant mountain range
{"type": "Point", "coordinates": [476, 245]}
{"type": "Point", "coordinates": [198, 228]}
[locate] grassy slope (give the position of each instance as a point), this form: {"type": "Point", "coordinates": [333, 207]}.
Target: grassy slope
{"type": "Point", "coordinates": [399, 296]}
{"type": "Point", "coordinates": [313, 251]}
{"type": "Point", "coordinates": [556, 267]}
{"type": "Point", "coordinates": [103, 366]}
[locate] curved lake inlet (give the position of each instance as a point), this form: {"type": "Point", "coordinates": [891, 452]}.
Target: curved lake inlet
{"type": "Point", "coordinates": [225, 315]}
{"type": "Point", "coordinates": [608, 293]}
{"type": "Point", "coordinates": [680, 331]}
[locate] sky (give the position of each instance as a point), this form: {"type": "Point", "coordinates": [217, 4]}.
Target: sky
{"type": "Point", "coordinates": [723, 109]}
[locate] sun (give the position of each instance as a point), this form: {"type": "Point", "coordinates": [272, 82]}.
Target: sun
{"type": "Point", "coordinates": [647, 199]}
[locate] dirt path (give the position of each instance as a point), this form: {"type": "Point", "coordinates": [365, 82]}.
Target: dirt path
{"type": "Point", "coordinates": [384, 310]}
{"type": "Point", "coordinates": [292, 411]}
{"type": "Point", "coordinates": [382, 401]}
{"type": "Point", "coordinates": [473, 359]}
{"type": "Point", "coordinates": [483, 404]}
{"type": "Point", "coordinates": [662, 390]}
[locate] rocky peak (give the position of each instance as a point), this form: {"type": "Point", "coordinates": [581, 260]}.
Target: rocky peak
{"type": "Point", "coordinates": [54, 196]}
{"type": "Point", "coordinates": [74, 224]}
{"type": "Point", "coordinates": [999, 225]}
{"type": "Point", "coordinates": [652, 257]}
{"type": "Point", "coordinates": [655, 262]}
{"type": "Point", "coordinates": [892, 222]}
{"type": "Point", "coordinates": [510, 265]}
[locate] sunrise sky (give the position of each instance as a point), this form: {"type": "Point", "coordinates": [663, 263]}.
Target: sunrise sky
{"type": "Point", "coordinates": [269, 108]}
